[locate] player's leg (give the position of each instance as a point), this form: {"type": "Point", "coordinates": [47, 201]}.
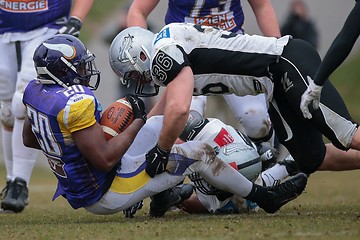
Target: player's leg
{"type": "Point", "coordinates": [251, 112]}
{"type": "Point", "coordinates": [332, 118]}
{"type": "Point", "coordinates": [126, 191]}
{"type": "Point", "coordinates": [339, 160]}
{"type": "Point", "coordinates": [23, 158]}
{"type": "Point", "coordinates": [131, 183]}
{"type": "Point", "coordinates": [8, 72]}
{"type": "Point", "coordinates": [222, 176]}
{"type": "Point", "coordinates": [157, 205]}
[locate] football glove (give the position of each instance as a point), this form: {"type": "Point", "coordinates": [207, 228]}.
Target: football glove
{"type": "Point", "coordinates": [156, 161]}
{"type": "Point", "coordinates": [138, 106]}
{"type": "Point", "coordinates": [312, 94]}
{"type": "Point", "coordinates": [267, 153]}
{"type": "Point", "coordinates": [130, 212]}
{"type": "Point", "coordinates": [72, 27]}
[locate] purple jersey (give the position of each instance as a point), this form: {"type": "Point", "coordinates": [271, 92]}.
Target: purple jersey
{"type": "Point", "coordinates": [226, 14]}
{"type": "Point", "coordinates": [28, 15]}
{"type": "Point", "coordinates": [55, 112]}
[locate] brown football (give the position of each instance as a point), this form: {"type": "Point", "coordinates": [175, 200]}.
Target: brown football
{"type": "Point", "coordinates": [116, 118]}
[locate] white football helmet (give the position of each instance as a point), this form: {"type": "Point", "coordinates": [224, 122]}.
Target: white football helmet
{"type": "Point", "coordinates": [243, 156]}
{"type": "Point", "coordinates": [129, 58]}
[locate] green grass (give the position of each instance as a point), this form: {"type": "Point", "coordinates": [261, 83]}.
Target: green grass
{"type": "Point", "coordinates": [328, 209]}
{"type": "Point", "coordinates": [347, 80]}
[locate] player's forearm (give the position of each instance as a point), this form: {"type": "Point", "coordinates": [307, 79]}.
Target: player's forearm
{"type": "Point", "coordinates": [81, 8]}
{"type": "Point", "coordinates": [123, 141]}
{"type": "Point", "coordinates": [173, 125]}
{"type": "Point", "coordinates": [136, 19]}
{"type": "Point", "coordinates": [105, 154]}
{"type": "Point", "coordinates": [341, 46]}
{"type": "Point", "coordinates": [266, 18]}
{"type": "Point", "coordinates": [139, 11]}
{"type": "Point", "coordinates": [159, 107]}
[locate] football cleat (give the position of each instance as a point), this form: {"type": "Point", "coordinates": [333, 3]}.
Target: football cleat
{"type": "Point", "coordinates": [130, 212]}
{"type": "Point", "coordinates": [272, 198]}
{"type": "Point", "coordinates": [16, 196]}
{"type": "Point", "coordinates": [163, 201]}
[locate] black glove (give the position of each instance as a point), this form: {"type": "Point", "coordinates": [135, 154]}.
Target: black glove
{"type": "Point", "coordinates": [72, 27]}
{"type": "Point", "coordinates": [138, 106]}
{"type": "Point", "coordinates": [156, 161]}
{"type": "Point", "coordinates": [130, 212]}
{"type": "Point", "coordinates": [268, 155]}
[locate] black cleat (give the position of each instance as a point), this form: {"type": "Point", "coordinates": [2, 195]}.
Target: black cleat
{"type": "Point", "coordinates": [130, 212]}
{"type": "Point", "coordinates": [16, 197]}
{"type": "Point", "coordinates": [5, 190]}
{"type": "Point", "coordinates": [290, 165]}
{"type": "Point", "coordinates": [163, 201]}
{"type": "Point", "coordinates": [272, 198]}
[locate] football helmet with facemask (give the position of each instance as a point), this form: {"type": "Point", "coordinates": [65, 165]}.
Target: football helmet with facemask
{"type": "Point", "coordinates": [130, 59]}
{"type": "Point", "coordinates": [64, 60]}
{"type": "Point", "coordinates": [239, 151]}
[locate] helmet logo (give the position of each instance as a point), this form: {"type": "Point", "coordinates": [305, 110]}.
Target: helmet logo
{"type": "Point", "coordinates": [232, 148]}
{"type": "Point", "coordinates": [68, 51]}
{"type": "Point", "coordinates": [126, 45]}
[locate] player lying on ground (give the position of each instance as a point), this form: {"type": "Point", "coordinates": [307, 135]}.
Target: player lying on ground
{"type": "Point", "coordinates": [108, 176]}
{"type": "Point", "coordinates": [236, 149]}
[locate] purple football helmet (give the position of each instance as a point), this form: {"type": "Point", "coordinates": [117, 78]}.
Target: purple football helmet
{"type": "Point", "coordinates": [64, 60]}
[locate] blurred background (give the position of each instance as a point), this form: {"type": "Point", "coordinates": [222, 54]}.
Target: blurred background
{"type": "Point", "coordinates": [328, 17]}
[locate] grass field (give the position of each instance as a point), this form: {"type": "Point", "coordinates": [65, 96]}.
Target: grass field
{"type": "Point", "coordinates": [328, 209]}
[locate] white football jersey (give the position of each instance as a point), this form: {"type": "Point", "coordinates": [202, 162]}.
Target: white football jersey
{"type": "Point", "coordinates": [222, 62]}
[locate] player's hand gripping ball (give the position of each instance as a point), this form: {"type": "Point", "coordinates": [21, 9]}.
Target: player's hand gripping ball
{"type": "Point", "coordinates": [116, 118]}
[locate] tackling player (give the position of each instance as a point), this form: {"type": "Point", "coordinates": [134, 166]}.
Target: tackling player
{"type": "Point", "coordinates": [250, 110]}
{"type": "Point", "coordinates": [191, 60]}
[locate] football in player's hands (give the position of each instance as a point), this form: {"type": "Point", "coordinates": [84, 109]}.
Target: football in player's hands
{"type": "Point", "coordinates": [116, 118]}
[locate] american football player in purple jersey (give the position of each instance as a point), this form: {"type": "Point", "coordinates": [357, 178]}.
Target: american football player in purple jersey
{"type": "Point", "coordinates": [24, 25]}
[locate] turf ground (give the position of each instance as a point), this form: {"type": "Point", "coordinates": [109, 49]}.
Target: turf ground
{"type": "Point", "coordinates": [328, 209]}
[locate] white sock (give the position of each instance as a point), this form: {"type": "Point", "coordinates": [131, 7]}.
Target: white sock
{"type": "Point", "coordinates": [24, 157]}
{"type": "Point", "coordinates": [7, 150]}
{"type": "Point", "coordinates": [273, 176]}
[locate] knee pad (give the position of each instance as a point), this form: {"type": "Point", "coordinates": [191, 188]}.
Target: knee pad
{"type": "Point", "coordinates": [7, 118]}
{"type": "Point", "coordinates": [17, 107]}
